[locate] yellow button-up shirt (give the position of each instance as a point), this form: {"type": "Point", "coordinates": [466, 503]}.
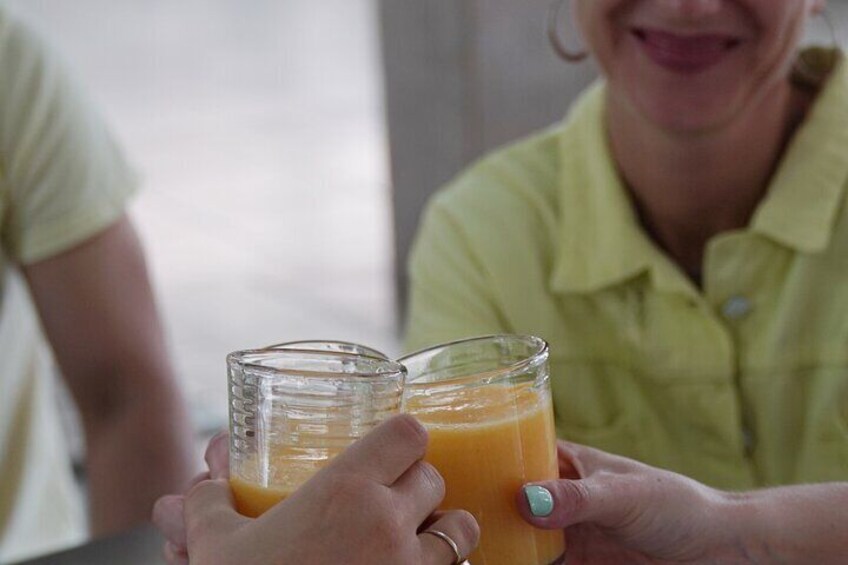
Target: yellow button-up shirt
{"type": "Point", "coordinates": [740, 383]}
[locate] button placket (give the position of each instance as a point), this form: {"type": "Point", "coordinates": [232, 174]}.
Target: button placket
{"type": "Point", "coordinates": [728, 289]}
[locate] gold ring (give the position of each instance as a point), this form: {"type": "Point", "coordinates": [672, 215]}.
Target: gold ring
{"type": "Point", "coordinates": [447, 539]}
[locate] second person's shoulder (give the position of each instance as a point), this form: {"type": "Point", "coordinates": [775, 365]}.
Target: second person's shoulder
{"type": "Point", "coordinates": [511, 185]}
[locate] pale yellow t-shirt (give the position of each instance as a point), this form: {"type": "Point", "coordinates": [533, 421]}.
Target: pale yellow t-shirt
{"type": "Point", "coordinates": [62, 180]}
{"type": "Point", "coordinates": [740, 384]}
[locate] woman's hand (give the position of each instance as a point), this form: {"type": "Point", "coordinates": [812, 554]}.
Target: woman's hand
{"type": "Point", "coordinates": [367, 506]}
{"type": "Point", "coordinates": [615, 510]}
{"type": "Point", "coordinates": [169, 510]}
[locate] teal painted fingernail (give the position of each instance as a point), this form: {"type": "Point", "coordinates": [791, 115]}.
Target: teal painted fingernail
{"type": "Point", "coordinates": [540, 499]}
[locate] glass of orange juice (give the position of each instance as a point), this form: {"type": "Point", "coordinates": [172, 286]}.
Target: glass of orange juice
{"type": "Point", "coordinates": [294, 409]}
{"type": "Point", "coordinates": [331, 346]}
{"type": "Point", "coordinates": [486, 403]}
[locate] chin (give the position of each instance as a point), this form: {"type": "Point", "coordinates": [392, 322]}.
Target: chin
{"type": "Point", "coordinates": [682, 119]}
{"type": "Point", "coordinates": [689, 110]}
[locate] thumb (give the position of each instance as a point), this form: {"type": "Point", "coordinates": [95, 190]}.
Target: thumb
{"type": "Point", "coordinates": [563, 503]}
{"type": "Point", "coordinates": [218, 456]}
{"type": "Point", "coordinates": [210, 510]}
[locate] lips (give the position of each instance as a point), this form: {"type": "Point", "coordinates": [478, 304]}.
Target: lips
{"type": "Point", "coordinates": [686, 54]}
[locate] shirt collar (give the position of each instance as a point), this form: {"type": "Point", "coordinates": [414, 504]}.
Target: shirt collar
{"type": "Point", "coordinates": [801, 206]}
{"type": "Point", "coordinates": [602, 242]}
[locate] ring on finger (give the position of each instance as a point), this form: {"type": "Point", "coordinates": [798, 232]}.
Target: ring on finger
{"type": "Point", "coordinates": [448, 540]}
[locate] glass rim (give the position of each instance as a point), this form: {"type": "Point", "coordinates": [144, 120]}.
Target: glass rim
{"type": "Point", "coordinates": [385, 369]}
{"type": "Point", "coordinates": [298, 346]}
{"type": "Point", "coordinates": [540, 354]}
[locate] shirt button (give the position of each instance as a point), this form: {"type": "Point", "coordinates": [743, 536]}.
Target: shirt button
{"type": "Point", "coordinates": [736, 307]}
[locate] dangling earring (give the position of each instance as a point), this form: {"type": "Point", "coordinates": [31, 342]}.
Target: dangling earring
{"type": "Point", "coordinates": [553, 35]}
{"type": "Point", "coordinates": [813, 65]}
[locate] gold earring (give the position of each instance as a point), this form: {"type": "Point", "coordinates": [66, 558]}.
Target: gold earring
{"type": "Point", "coordinates": [553, 35]}
{"type": "Point", "coordinates": [813, 65]}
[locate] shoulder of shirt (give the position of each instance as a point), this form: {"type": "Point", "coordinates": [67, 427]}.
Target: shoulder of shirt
{"type": "Point", "coordinates": [525, 174]}
{"type": "Point", "coordinates": [15, 36]}
{"type": "Point", "coordinates": [522, 174]}
{"type": "Point", "coordinates": [6, 20]}
{"type": "Point", "coordinates": [25, 61]}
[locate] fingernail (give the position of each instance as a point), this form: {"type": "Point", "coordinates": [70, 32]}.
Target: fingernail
{"type": "Point", "coordinates": [540, 499]}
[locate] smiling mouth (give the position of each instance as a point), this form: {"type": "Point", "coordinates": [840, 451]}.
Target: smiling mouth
{"type": "Point", "coordinates": [686, 54]}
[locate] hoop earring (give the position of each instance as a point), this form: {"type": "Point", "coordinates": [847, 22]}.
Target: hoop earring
{"type": "Point", "coordinates": [812, 72]}
{"type": "Point", "coordinates": [553, 35]}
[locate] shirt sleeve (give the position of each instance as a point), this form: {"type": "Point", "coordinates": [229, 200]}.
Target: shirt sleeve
{"type": "Point", "coordinates": [63, 179]}
{"type": "Point", "coordinates": [450, 294]}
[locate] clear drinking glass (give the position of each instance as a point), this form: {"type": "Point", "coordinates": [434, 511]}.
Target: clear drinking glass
{"type": "Point", "coordinates": [486, 403]}
{"type": "Point", "coordinates": [292, 410]}
{"type": "Point", "coordinates": [331, 346]}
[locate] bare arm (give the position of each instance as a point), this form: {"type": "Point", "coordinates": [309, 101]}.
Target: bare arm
{"type": "Point", "coordinates": [797, 524]}
{"type": "Point", "coordinates": [98, 311]}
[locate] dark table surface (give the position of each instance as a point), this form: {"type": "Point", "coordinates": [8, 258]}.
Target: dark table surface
{"type": "Point", "coordinates": [142, 546]}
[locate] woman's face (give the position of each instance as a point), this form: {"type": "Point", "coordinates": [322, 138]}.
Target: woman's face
{"type": "Point", "coordinates": [693, 65]}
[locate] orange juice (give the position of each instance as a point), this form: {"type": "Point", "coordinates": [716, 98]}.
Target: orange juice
{"type": "Point", "coordinates": [261, 485]}
{"type": "Point", "coordinates": [487, 442]}
{"type": "Point", "coordinates": [253, 500]}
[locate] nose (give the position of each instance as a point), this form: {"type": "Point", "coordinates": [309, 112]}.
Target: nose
{"type": "Point", "coordinates": [692, 9]}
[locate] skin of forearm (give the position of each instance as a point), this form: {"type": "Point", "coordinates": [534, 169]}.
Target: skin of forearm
{"type": "Point", "coordinates": [135, 455]}
{"type": "Point", "coordinates": [99, 313]}
{"type": "Point", "coordinates": [789, 525]}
